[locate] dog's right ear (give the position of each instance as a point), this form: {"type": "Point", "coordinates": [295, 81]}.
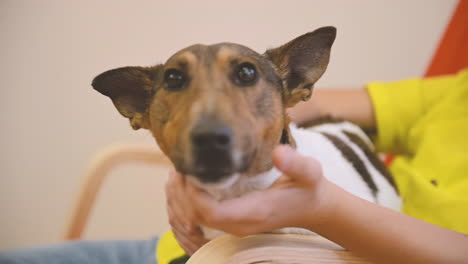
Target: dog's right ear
{"type": "Point", "coordinates": [301, 62]}
{"type": "Point", "coordinates": [131, 90]}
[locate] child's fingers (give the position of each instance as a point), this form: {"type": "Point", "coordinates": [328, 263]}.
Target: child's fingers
{"type": "Point", "coordinates": [178, 222]}
{"type": "Point", "coordinates": [205, 205]}
{"type": "Point", "coordinates": [248, 210]}
{"type": "Point", "coordinates": [179, 209]}
{"type": "Point", "coordinates": [297, 167]}
{"type": "Point", "coordinates": [189, 246]}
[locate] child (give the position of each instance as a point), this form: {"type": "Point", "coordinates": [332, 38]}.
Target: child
{"type": "Point", "coordinates": [425, 122]}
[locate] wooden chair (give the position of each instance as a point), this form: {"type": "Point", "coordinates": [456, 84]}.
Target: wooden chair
{"type": "Point", "coordinates": [103, 162]}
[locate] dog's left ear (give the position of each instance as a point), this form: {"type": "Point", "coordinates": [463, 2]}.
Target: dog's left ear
{"type": "Point", "coordinates": [301, 62]}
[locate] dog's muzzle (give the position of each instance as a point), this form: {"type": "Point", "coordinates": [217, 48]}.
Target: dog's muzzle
{"type": "Point", "coordinates": [212, 151]}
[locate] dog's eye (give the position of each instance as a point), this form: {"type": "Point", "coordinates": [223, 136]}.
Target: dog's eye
{"type": "Point", "coordinates": [246, 74]}
{"type": "Point", "coordinates": [174, 79]}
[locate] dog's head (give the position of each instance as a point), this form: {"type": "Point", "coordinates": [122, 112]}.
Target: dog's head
{"type": "Point", "coordinates": [219, 110]}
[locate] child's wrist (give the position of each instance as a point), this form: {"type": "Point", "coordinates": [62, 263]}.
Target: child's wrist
{"type": "Point", "coordinates": [328, 196]}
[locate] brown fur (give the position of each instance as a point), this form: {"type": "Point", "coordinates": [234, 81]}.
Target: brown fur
{"type": "Point", "coordinates": [255, 113]}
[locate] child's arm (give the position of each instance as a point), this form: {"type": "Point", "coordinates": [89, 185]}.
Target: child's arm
{"type": "Point", "coordinates": [386, 236]}
{"type": "Point", "coordinates": [306, 199]}
{"type": "Point", "coordinates": [351, 104]}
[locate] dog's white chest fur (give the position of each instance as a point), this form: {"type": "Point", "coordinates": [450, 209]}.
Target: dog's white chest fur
{"type": "Point", "coordinates": [313, 142]}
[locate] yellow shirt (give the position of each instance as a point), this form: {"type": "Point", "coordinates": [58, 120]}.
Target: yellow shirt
{"type": "Point", "coordinates": [168, 250]}
{"type": "Point", "coordinates": [425, 121]}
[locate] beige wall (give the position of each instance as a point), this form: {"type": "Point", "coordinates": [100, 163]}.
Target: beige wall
{"type": "Point", "coordinates": [52, 121]}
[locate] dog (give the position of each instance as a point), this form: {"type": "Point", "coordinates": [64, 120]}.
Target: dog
{"type": "Point", "coordinates": [217, 111]}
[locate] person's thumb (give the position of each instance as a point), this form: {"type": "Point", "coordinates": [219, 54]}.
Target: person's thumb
{"type": "Point", "coordinates": [303, 169]}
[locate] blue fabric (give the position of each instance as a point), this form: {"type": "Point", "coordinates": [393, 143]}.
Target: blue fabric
{"type": "Point", "coordinates": [85, 252]}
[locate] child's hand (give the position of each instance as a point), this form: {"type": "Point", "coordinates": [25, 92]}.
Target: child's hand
{"type": "Point", "coordinates": [295, 200]}
{"type": "Point", "coordinates": [181, 215]}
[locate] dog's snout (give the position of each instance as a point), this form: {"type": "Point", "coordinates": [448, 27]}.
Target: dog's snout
{"type": "Point", "coordinates": [211, 135]}
{"type": "Point", "coordinates": [212, 143]}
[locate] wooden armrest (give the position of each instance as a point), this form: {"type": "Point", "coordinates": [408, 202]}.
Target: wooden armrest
{"type": "Point", "coordinates": [103, 162]}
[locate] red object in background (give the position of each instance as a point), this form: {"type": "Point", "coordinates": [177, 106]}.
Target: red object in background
{"type": "Point", "coordinates": [452, 53]}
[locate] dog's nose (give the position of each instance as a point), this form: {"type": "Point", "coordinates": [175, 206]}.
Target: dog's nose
{"type": "Point", "coordinates": [211, 136]}
{"type": "Point", "coordinates": [212, 143]}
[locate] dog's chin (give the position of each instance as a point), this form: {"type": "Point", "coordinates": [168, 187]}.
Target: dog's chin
{"type": "Point", "coordinates": [209, 175]}
{"type": "Point", "coordinates": [213, 175]}
{"type": "Point", "coordinates": [222, 184]}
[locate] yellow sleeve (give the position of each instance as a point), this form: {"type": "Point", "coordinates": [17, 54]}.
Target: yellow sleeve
{"type": "Point", "coordinates": [398, 106]}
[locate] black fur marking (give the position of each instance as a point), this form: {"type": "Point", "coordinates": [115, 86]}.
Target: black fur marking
{"type": "Point", "coordinates": [372, 157]}
{"type": "Point", "coordinates": [328, 119]}
{"type": "Point", "coordinates": [284, 137]}
{"type": "Point", "coordinates": [349, 154]}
